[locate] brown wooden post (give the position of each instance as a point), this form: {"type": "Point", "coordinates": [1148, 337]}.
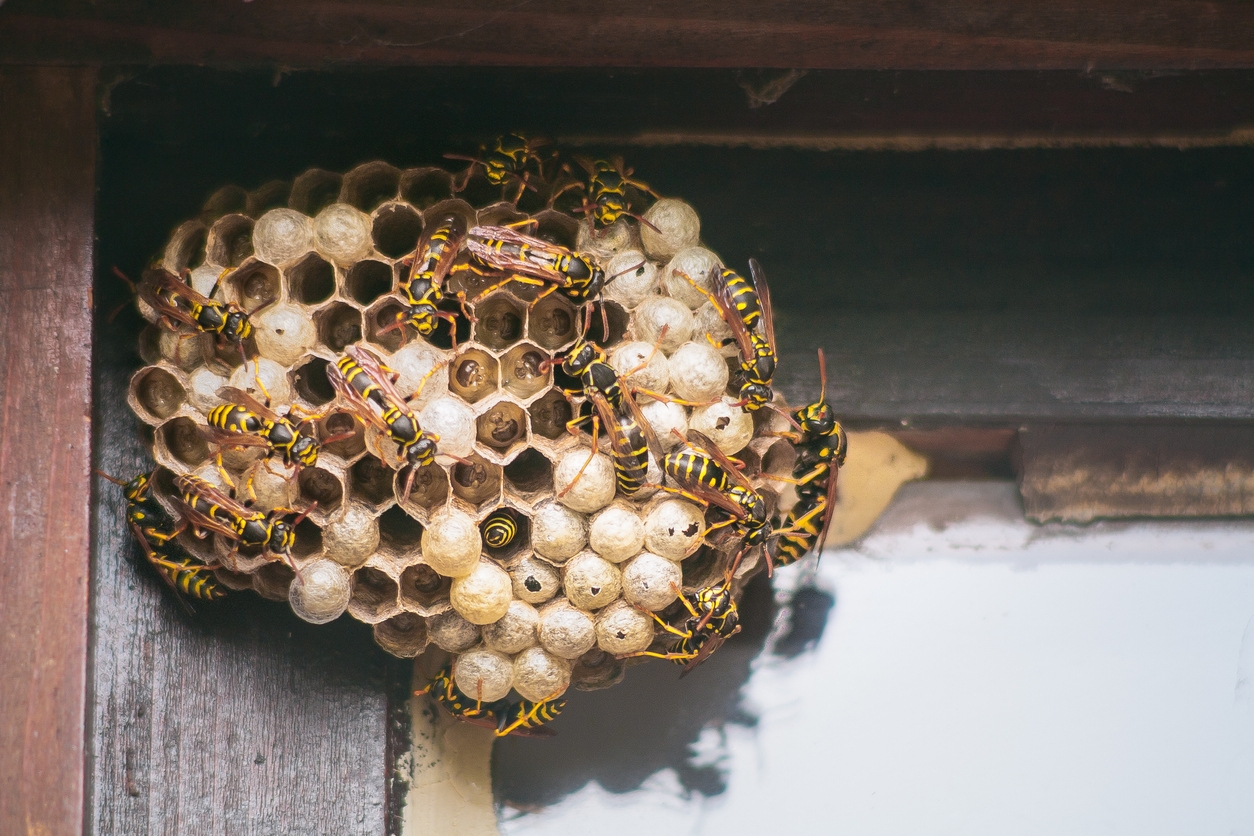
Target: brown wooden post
{"type": "Point", "coordinates": [47, 190]}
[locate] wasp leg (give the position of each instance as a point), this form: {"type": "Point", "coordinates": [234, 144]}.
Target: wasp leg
{"type": "Point", "coordinates": [596, 425]}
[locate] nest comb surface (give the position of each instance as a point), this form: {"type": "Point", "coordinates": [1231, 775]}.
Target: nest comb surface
{"type": "Point", "coordinates": [318, 261]}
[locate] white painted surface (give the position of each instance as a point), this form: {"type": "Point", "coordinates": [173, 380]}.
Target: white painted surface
{"type": "Point", "coordinates": [979, 675]}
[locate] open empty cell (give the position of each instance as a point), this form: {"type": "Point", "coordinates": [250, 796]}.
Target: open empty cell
{"type": "Point", "coordinates": [371, 481]}
{"type": "Point", "coordinates": [370, 184]}
{"type": "Point", "coordinates": [530, 471]}
{"type": "Point", "coordinates": [368, 280]}
{"type": "Point", "coordinates": [310, 381]}
{"type": "Point", "coordinates": [501, 213]}
{"type": "Point", "coordinates": [473, 375]}
{"type": "Point", "coordinates": [556, 228]}
{"type": "Point", "coordinates": [308, 538]}
{"type": "Point", "coordinates": [272, 580]}
{"type": "Point", "coordinates": [311, 280]}
{"type": "Point", "coordinates": [425, 187]}
{"type": "Point", "coordinates": [501, 426]}
{"type": "Point", "coordinates": [338, 325]}
{"type": "Point", "coordinates": [314, 191]}
{"type": "Point", "coordinates": [374, 593]}
{"type": "Point", "coordinates": [184, 441]}
{"type": "Point", "coordinates": [398, 530]}
{"type": "Point", "coordinates": [422, 587]}
{"type": "Point", "coordinates": [159, 393]}
{"type": "Point", "coordinates": [320, 486]}
{"type": "Point", "coordinates": [230, 241]}
{"type": "Point", "coordinates": [396, 229]}
{"type": "Point", "coordinates": [403, 635]}
{"type": "Point", "coordinates": [254, 284]}
{"type": "Point", "coordinates": [267, 196]}
{"type": "Point", "coordinates": [607, 323]}
{"type": "Point", "coordinates": [186, 249]}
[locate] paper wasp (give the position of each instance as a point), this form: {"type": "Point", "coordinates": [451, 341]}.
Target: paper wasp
{"type": "Point", "coordinates": [243, 421]}
{"type": "Point", "coordinates": [527, 718]}
{"type": "Point", "coordinates": [706, 475]}
{"type": "Point", "coordinates": [536, 261]}
{"type": "Point", "coordinates": [362, 380]}
{"type": "Point", "coordinates": [207, 508]}
{"type": "Point", "coordinates": [522, 717]}
{"type": "Point", "coordinates": [712, 619]}
{"type": "Point", "coordinates": [155, 530]}
{"type": "Point", "coordinates": [744, 306]}
{"type": "Point", "coordinates": [631, 436]}
{"type": "Point", "coordinates": [506, 161]}
{"type": "Point", "coordinates": [422, 289]}
{"type": "Point", "coordinates": [821, 447]}
{"type": "Point", "coordinates": [177, 303]}
{"type": "Point", "coordinates": [605, 194]}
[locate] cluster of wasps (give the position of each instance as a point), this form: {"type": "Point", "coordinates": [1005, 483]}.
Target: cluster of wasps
{"type": "Point", "coordinates": [697, 469]}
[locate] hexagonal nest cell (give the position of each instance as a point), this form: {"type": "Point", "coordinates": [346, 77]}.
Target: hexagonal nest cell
{"type": "Point", "coordinates": [515, 511]}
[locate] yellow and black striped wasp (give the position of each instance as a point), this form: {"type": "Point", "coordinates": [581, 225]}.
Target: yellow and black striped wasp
{"type": "Point", "coordinates": [526, 718]}
{"type": "Point", "coordinates": [506, 161]}
{"type": "Point", "coordinates": [705, 474]}
{"type": "Point", "coordinates": [712, 619]}
{"type": "Point", "coordinates": [177, 303]}
{"type": "Point", "coordinates": [243, 421]}
{"type": "Point", "coordinates": [535, 261]}
{"type": "Point", "coordinates": [367, 385]}
{"type": "Point", "coordinates": [630, 434]}
{"type": "Point", "coordinates": [521, 717]}
{"type": "Point", "coordinates": [422, 288]}
{"type": "Point", "coordinates": [821, 447]}
{"type": "Point", "coordinates": [156, 530]}
{"type": "Point", "coordinates": [606, 197]}
{"type": "Point", "coordinates": [745, 305]}
{"type": "Point", "coordinates": [206, 508]}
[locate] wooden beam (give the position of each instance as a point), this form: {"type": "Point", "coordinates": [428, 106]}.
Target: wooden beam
{"type": "Point", "coordinates": [47, 193]}
{"type": "Point", "coordinates": [811, 34]}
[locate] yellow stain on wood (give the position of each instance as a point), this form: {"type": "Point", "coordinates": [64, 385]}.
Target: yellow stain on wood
{"type": "Point", "coordinates": [876, 466]}
{"type": "Point", "coordinates": [450, 780]}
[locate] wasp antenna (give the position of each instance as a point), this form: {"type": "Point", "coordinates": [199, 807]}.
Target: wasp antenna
{"type": "Point", "coordinates": [112, 479]}
{"type": "Point", "coordinates": [636, 266]}
{"type": "Point", "coordinates": [642, 220]}
{"type": "Point", "coordinates": [822, 376]}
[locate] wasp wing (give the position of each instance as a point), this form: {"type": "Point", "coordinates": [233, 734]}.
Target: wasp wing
{"type": "Point", "coordinates": [239, 396]}
{"type": "Point", "coordinates": [758, 278]}
{"type": "Point", "coordinates": [727, 309]}
{"type": "Point", "coordinates": [148, 292]}
{"type": "Point", "coordinates": [706, 444]}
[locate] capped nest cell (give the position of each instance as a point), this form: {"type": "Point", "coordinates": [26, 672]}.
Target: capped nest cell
{"type": "Point", "coordinates": [529, 613]}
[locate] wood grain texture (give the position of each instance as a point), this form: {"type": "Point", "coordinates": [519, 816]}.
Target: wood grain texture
{"type": "Point", "coordinates": [240, 719]}
{"type": "Point", "coordinates": [813, 34]}
{"type": "Point", "coordinates": [893, 368]}
{"type": "Point", "coordinates": [47, 184]}
{"type": "Point", "coordinates": [1081, 472]}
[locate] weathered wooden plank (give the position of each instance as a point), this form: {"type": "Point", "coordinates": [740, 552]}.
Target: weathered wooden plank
{"type": "Point", "coordinates": [974, 34]}
{"type": "Point", "coordinates": [241, 719]}
{"type": "Point", "coordinates": [1004, 369]}
{"type": "Point", "coordinates": [47, 182]}
{"type": "Point", "coordinates": [1082, 472]}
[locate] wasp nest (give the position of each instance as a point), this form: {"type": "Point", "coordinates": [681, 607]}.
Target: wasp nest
{"type": "Point", "coordinates": [560, 601]}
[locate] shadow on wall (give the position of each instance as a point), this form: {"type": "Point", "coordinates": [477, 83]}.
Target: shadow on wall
{"type": "Point", "coordinates": [651, 721]}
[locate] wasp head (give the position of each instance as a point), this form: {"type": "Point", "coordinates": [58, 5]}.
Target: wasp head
{"type": "Point", "coordinates": [754, 396]}
{"type": "Point", "coordinates": [817, 419]}
{"type": "Point", "coordinates": [237, 326]}
{"type": "Point", "coordinates": [282, 537]}
{"type": "Point", "coordinates": [305, 451]}
{"type": "Point", "coordinates": [422, 452]}
{"type": "Point", "coordinates": [421, 315]}
{"type": "Point", "coordinates": [136, 489]}
{"type": "Point", "coordinates": [609, 208]}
